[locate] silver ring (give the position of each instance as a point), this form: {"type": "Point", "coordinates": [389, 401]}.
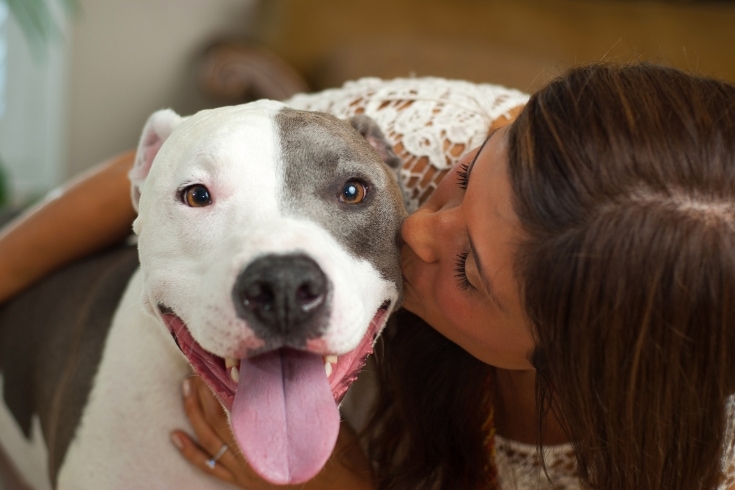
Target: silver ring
{"type": "Point", "coordinates": [212, 462]}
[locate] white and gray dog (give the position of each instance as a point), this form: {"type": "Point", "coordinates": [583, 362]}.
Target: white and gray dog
{"type": "Point", "coordinates": [268, 250]}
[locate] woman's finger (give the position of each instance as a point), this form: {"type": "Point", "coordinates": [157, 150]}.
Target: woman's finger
{"type": "Point", "coordinates": [213, 413]}
{"type": "Point", "coordinates": [207, 437]}
{"type": "Point", "coordinates": [197, 456]}
{"type": "Point", "coordinates": [196, 394]}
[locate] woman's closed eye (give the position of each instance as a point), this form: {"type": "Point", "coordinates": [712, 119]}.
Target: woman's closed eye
{"type": "Point", "coordinates": [460, 266]}
{"type": "Point", "coordinates": [463, 176]}
{"type": "Point", "coordinates": [460, 271]}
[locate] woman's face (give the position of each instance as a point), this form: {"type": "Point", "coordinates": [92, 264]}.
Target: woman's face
{"type": "Point", "coordinates": [457, 260]}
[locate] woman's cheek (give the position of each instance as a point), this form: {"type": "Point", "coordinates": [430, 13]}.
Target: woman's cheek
{"type": "Point", "coordinates": [451, 302]}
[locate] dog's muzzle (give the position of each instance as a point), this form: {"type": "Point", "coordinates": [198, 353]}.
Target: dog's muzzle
{"type": "Point", "coordinates": [284, 298]}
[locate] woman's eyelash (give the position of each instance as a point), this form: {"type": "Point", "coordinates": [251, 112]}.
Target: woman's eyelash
{"type": "Point", "coordinates": [460, 272]}
{"type": "Point", "coordinates": [463, 176]}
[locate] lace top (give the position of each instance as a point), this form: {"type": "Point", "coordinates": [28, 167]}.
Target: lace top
{"type": "Point", "coordinates": [432, 123]}
{"type": "Point", "coordinates": [519, 465]}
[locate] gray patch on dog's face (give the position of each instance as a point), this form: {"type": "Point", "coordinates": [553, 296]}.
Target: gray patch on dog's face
{"type": "Point", "coordinates": [321, 153]}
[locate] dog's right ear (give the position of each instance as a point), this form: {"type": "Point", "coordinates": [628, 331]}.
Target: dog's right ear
{"type": "Point", "coordinates": [370, 130]}
{"type": "Point", "coordinates": [372, 133]}
{"type": "Point", "coordinates": [157, 129]}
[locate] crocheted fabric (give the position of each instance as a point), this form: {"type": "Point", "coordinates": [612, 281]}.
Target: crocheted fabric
{"type": "Point", "coordinates": [728, 456]}
{"type": "Point", "coordinates": [519, 465]}
{"type": "Point", "coordinates": [431, 122]}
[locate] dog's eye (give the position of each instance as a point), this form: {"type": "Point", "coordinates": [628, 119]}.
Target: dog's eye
{"type": "Point", "coordinates": [196, 196]}
{"type": "Point", "coordinates": [353, 192]}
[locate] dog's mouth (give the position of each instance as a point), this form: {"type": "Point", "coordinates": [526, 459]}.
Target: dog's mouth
{"type": "Point", "coordinates": [283, 403]}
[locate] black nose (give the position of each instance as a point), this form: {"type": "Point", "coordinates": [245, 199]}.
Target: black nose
{"type": "Point", "coordinates": [283, 296]}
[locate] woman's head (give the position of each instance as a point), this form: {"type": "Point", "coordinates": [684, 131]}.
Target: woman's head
{"type": "Point", "coordinates": [457, 260]}
{"type": "Point", "coordinates": [623, 180]}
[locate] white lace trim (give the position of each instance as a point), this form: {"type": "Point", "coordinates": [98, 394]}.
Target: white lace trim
{"type": "Point", "coordinates": [728, 456]}
{"type": "Point", "coordinates": [519, 465]}
{"type": "Point", "coordinates": [431, 122]}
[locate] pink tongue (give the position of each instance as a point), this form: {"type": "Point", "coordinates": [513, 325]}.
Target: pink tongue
{"type": "Point", "coordinates": [284, 416]}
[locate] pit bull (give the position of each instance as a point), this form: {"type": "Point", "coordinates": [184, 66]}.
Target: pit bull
{"type": "Point", "coordinates": [266, 262]}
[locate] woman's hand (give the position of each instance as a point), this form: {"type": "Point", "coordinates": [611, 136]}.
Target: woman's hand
{"type": "Point", "coordinates": [209, 421]}
{"type": "Point", "coordinates": [347, 468]}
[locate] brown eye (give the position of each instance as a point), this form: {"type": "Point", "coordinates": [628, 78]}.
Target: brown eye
{"type": "Point", "coordinates": [353, 192]}
{"type": "Point", "coordinates": [196, 196]}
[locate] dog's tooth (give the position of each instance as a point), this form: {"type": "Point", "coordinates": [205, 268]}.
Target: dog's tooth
{"type": "Point", "coordinates": [331, 359]}
{"type": "Point", "coordinates": [230, 362]}
{"type": "Point", "coordinates": [328, 362]}
{"type": "Point", "coordinates": [235, 375]}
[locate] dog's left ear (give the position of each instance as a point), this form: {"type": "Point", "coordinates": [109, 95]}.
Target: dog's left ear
{"type": "Point", "coordinates": [157, 129]}
{"type": "Point", "coordinates": [372, 133]}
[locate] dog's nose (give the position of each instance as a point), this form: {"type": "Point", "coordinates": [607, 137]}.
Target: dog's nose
{"type": "Point", "coordinates": [283, 296]}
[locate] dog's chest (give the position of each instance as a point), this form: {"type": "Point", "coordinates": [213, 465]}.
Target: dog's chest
{"type": "Point", "coordinates": [51, 338]}
{"type": "Point", "coordinates": [123, 437]}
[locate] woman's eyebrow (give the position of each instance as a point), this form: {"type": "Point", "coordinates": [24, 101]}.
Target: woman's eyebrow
{"type": "Point", "coordinates": [482, 146]}
{"type": "Point", "coordinates": [485, 279]}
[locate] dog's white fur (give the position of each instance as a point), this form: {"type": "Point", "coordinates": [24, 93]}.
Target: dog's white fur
{"type": "Point", "coordinates": [139, 402]}
{"type": "Point", "coordinates": [178, 244]}
{"type": "Point", "coordinates": [28, 455]}
{"type": "Point", "coordinates": [123, 438]}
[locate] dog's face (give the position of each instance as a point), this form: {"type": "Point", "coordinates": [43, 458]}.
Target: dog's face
{"type": "Point", "coordinates": [268, 243]}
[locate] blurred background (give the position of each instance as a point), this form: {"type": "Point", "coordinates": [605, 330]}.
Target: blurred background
{"type": "Point", "coordinates": [78, 78]}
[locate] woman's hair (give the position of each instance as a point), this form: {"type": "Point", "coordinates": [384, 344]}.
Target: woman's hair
{"type": "Point", "coordinates": [624, 184]}
{"type": "Point", "coordinates": [428, 429]}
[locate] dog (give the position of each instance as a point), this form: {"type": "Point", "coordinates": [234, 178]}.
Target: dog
{"type": "Point", "coordinates": [267, 261]}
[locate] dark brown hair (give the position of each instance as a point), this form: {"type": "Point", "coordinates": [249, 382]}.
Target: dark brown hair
{"type": "Point", "coordinates": [427, 426]}
{"type": "Point", "coordinates": [624, 182]}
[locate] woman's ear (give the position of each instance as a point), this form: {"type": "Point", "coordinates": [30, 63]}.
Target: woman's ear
{"type": "Point", "coordinates": [157, 129]}
{"type": "Point", "coordinates": [372, 133]}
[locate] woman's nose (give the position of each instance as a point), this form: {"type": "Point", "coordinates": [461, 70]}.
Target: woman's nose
{"type": "Point", "coordinates": [426, 231]}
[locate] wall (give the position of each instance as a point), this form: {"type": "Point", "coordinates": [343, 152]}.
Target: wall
{"type": "Point", "coordinates": [127, 58]}
{"type": "Point", "coordinates": [132, 57]}
{"type": "Point", "coordinates": [516, 42]}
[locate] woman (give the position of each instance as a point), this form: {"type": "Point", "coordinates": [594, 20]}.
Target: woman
{"type": "Point", "coordinates": [581, 262]}
{"type": "Point", "coordinates": [602, 253]}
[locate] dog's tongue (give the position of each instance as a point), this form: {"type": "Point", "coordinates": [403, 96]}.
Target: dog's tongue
{"type": "Point", "coordinates": [284, 416]}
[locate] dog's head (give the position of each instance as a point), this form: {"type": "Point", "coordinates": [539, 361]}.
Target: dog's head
{"type": "Point", "coordinates": [268, 242]}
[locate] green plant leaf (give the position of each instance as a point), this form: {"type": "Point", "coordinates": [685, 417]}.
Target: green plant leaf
{"type": "Point", "coordinates": [37, 19]}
